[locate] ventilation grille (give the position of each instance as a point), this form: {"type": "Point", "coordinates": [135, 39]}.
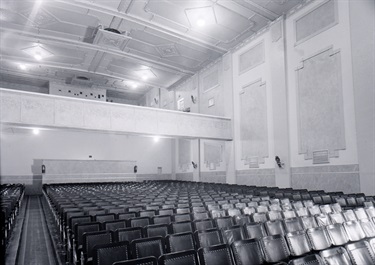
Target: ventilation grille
{"type": "Point", "coordinates": [320, 157]}
{"type": "Point", "coordinates": [253, 162]}
{"type": "Point", "coordinates": [80, 81]}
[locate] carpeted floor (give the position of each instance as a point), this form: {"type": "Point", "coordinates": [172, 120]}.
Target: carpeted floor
{"type": "Point", "coordinates": [35, 245]}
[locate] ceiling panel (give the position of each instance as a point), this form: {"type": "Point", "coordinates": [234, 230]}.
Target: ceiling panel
{"type": "Point", "coordinates": [168, 39]}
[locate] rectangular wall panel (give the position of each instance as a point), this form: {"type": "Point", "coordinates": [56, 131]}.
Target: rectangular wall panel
{"type": "Point", "coordinates": [213, 155]}
{"type": "Point", "coordinates": [184, 154]}
{"type": "Point", "coordinates": [316, 21]}
{"type": "Point", "coordinates": [320, 105]}
{"type": "Point", "coordinates": [251, 58]}
{"type": "Point", "coordinates": [343, 178]}
{"type": "Point", "coordinates": [253, 123]}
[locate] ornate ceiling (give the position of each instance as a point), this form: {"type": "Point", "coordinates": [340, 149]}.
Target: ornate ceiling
{"type": "Point", "coordinates": [157, 43]}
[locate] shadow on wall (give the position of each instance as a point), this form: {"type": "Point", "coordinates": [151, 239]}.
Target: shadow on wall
{"type": "Point", "coordinates": [35, 187]}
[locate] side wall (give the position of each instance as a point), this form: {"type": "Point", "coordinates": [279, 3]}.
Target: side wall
{"type": "Point", "coordinates": [323, 148]}
{"type": "Point", "coordinates": [303, 90]}
{"type": "Point", "coordinates": [22, 151]}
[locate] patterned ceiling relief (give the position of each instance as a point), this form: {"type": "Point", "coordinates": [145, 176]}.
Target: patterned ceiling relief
{"type": "Point", "coordinates": [184, 154]}
{"type": "Point", "coordinates": [114, 39]}
{"type": "Point", "coordinates": [167, 50]}
{"type": "Point", "coordinates": [41, 19]}
{"type": "Point", "coordinates": [213, 154]}
{"type": "Point", "coordinates": [253, 124]}
{"type": "Point", "coordinates": [320, 104]}
{"type": "Point", "coordinates": [109, 39]}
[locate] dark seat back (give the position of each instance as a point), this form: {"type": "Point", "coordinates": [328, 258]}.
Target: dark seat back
{"type": "Point", "coordinates": [275, 248]}
{"type": "Point", "coordinates": [146, 247]}
{"type": "Point", "coordinates": [156, 230]}
{"type": "Point", "coordinates": [247, 251]}
{"type": "Point", "coordinates": [129, 234]}
{"type": "Point", "coordinates": [104, 217]}
{"type": "Point", "coordinates": [208, 237]}
{"type": "Point", "coordinates": [91, 239]}
{"type": "Point", "coordinates": [188, 257]}
{"type": "Point", "coordinates": [139, 221]}
{"type": "Point", "coordinates": [107, 254]}
{"type": "Point", "coordinates": [82, 228]}
{"type": "Point", "coordinates": [255, 230]}
{"type": "Point", "coordinates": [215, 255]}
{"type": "Point", "coordinates": [181, 227]}
{"type": "Point", "coordinates": [141, 261]}
{"type": "Point", "coordinates": [307, 260]}
{"type": "Point", "coordinates": [114, 225]}
{"type": "Point", "coordinates": [224, 222]}
{"type": "Point", "coordinates": [203, 224]}
{"type": "Point", "coordinates": [232, 234]}
{"type": "Point", "coordinates": [180, 242]}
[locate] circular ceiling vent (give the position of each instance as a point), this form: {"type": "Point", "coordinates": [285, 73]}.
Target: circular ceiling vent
{"type": "Point", "coordinates": [113, 30]}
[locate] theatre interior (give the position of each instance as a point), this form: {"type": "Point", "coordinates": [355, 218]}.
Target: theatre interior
{"type": "Point", "coordinates": [187, 132]}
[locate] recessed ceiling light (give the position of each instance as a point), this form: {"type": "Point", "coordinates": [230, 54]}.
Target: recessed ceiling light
{"type": "Point", "coordinates": [144, 77]}
{"type": "Point", "coordinates": [156, 139]}
{"type": "Point", "coordinates": [38, 52]}
{"type": "Point", "coordinates": [134, 85]}
{"type": "Point", "coordinates": [38, 57]}
{"type": "Point", "coordinates": [36, 131]}
{"type": "Point", "coordinates": [201, 22]}
{"type": "Point", "coordinates": [22, 66]}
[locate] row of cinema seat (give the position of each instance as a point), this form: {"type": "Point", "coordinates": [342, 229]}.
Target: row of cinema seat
{"type": "Point", "coordinates": [11, 196]}
{"type": "Point", "coordinates": [184, 216]}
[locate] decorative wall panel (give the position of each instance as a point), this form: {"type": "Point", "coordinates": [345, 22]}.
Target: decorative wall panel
{"type": "Point", "coordinates": [329, 178]}
{"type": "Point", "coordinates": [62, 171]}
{"type": "Point", "coordinates": [257, 177]}
{"type": "Point", "coordinates": [316, 21]}
{"type": "Point", "coordinates": [213, 153]}
{"type": "Point", "coordinates": [276, 31]}
{"type": "Point", "coordinates": [210, 79]}
{"type": "Point", "coordinates": [251, 58]}
{"type": "Point", "coordinates": [187, 176]}
{"type": "Point", "coordinates": [253, 123]}
{"type": "Point", "coordinates": [213, 177]}
{"type": "Point", "coordinates": [184, 154]}
{"type": "Point", "coordinates": [320, 104]}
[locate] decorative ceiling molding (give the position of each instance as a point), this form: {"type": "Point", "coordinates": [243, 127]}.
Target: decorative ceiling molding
{"type": "Point", "coordinates": [80, 44]}
{"type": "Point", "coordinates": [143, 22]}
{"type": "Point", "coordinates": [167, 50]}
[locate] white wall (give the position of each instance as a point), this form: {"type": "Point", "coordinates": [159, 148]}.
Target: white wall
{"type": "Point", "coordinates": [362, 28]}
{"type": "Point", "coordinates": [19, 149]}
{"type": "Point", "coordinates": [338, 38]}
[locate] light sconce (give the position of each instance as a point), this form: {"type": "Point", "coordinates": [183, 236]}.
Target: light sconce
{"type": "Point", "coordinates": [280, 163]}
{"type": "Point", "coordinates": [193, 99]}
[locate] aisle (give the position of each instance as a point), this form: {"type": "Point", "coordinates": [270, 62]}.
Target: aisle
{"type": "Point", "coordinates": [36, 246]}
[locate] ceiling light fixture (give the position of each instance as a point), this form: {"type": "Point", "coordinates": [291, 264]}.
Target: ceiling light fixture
{"type": "Point", "coordinates": [144, 77]}
{"type": "Point", "coordinates": [201, 22]}
{"type": "Point", "coordinates": [156, 139]}
{"type": "Point", "coordinates": [22, 66]}
{"type": "Point", "coordinates": [36, 131]}
{"type": "Point", "coordinates": [38, 52]}
{"type": "Point", "coordinates": [38, 57]}
{"type": "Point", "coordinates": [134, 85]}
